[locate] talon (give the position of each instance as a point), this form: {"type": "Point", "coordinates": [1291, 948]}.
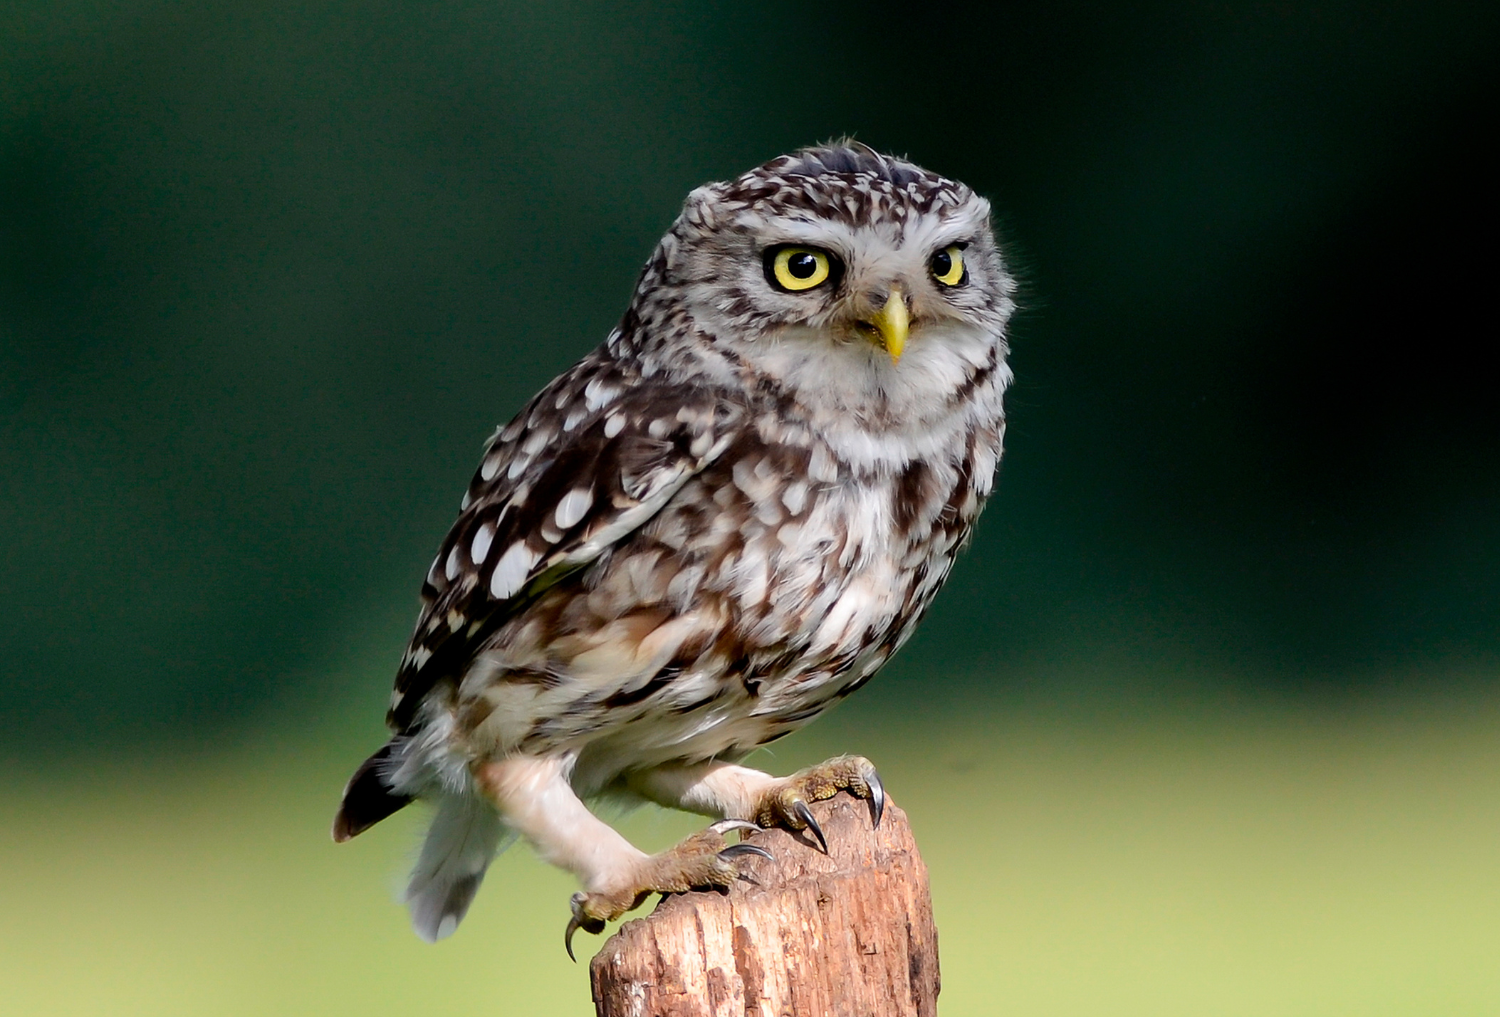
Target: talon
{"type": "Point", "coordinates": [877, 797]}
{"type": "Point", "coordinates": [803, 813]}
{"type": "Point", "coordinates": [580, 921]}
{"type": "Point", "coordinates": [700, 862]}
{"type": "Point", "coordinates": [785, 804]}
{"type": "Point", "coordinates": [723, 826]}
{"type": "Point", "coordinates": [568, 939]}
{"type": "Point", "coordinates": [748, 878]}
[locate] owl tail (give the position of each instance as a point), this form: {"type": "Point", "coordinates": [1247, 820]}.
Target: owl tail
{"type": "Point", "coordinates": [465, 836]}
{"type": "Point", "coordinates": [369, 796]}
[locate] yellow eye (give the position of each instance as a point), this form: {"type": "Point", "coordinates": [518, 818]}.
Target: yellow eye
{"type": "Point", "coordinates": [948, 266]}
{"type": "Point", "coordinates": [799, 268]}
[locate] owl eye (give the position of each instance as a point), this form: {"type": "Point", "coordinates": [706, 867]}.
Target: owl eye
{"type": "Point", "coordinates": [948, 266]}
{"type": "Point", "coordinates": [798, 268]}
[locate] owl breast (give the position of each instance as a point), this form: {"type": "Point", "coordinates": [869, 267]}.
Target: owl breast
{"type": "Point", "coordinates": [775, 582]}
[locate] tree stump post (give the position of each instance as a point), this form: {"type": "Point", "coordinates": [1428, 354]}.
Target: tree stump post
{"type": "Point", "coordinates": [847, 934]}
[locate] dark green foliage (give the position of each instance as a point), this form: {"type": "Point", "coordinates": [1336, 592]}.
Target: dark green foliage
{"type": "Point", "coordinates": [269, 274]}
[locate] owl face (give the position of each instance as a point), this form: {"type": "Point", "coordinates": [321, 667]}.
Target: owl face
{"type": "Point", "coordinates": [841, 260]}
{"type": "Point", "coordinates": [881, 283]}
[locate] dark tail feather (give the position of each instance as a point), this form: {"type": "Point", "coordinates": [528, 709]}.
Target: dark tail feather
{"type": "Point", "coordinates": [367, 798]}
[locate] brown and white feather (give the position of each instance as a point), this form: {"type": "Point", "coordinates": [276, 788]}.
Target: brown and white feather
{"type": "Point", "coordinates": [733, 512]}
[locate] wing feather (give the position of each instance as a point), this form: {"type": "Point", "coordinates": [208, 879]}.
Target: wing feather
{"type": "Point", "coordinates": [589, 460]}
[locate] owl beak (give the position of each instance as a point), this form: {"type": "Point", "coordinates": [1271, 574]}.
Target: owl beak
{"type": "Point", "coordinates": [889, 326]}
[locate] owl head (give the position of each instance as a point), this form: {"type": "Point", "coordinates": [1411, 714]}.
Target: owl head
{"type": "Point", "coordinates": [839, 268]}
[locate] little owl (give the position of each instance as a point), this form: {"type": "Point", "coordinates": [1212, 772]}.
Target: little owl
{"type": "Point", "coordinates": [713, 527]}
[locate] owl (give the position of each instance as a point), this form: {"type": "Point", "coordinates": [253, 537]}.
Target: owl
{"type": "Point", "coordinates": [708, 531]}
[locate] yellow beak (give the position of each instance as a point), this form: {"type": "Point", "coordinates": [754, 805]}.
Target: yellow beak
{"type": "Point", "coordinates": [889, 326]}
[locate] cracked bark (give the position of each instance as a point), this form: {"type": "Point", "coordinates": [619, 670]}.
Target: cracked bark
{"type": "Point", "coordinates": [848, 933]}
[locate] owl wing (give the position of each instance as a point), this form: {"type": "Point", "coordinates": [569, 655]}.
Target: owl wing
{"type": "Point", "coordinates": [593, 457]}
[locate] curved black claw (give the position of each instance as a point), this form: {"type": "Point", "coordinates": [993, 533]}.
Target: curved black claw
{"type": "Point", "coordinates": [580, 921]}
{"type": "Point", "coordinates": [877, 798]}
{"type": "Point", "coordinates": [735, 850]}
{"type": "Point", "coordinates": [804, 814]}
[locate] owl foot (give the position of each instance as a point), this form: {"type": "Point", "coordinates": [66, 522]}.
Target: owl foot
{"type": "Point", "coordinates": [786, 804]}
{"type": "Point", "coordinates": [703, 861]}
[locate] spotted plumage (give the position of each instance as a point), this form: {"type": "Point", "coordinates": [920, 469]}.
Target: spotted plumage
{"type": "Point", "coordinates": [706, 532]}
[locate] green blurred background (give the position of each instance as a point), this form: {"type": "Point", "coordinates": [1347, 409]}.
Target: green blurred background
{"type": "Point", "coordinates": [1207, 721]}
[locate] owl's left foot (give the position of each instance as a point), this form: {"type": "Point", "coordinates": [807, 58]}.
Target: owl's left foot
{"type": "Point", "coordinates": [786, 804]}
{"type": "Point", "coordinates": [704, 861]}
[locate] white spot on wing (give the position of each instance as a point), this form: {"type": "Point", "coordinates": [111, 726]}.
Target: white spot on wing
{"type": "Point", "coordinates": [481, 545]}
{"type": "Point", "coordinates": [536, 441]}
{"type": "Point", "coordinates": [511, 571]}
{"type": "Point", "coordinates": [573, 506]}
{"type": "Point", "coordinates": [614, 425]}
{"type": "Point", "coordinates": [451, 569]}
{"type": "Point", "coordinates": [598, 395]}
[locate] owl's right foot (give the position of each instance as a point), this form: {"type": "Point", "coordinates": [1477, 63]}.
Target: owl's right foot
{"type": "Point", "coordinates": [704, 861]}
{"type": "Point", "coordinates": [786, 803]}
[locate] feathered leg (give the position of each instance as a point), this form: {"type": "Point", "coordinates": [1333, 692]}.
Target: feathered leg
{"type": "Point", "coordinates": [534, 796]}
{"type": "Point", "coordinates": [738, 792]}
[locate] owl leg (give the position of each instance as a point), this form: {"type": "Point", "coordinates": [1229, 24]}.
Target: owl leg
{"type": "Point", "coordinates": [534, 796]}
{"type": "Point", "coordinates": [738, 792]}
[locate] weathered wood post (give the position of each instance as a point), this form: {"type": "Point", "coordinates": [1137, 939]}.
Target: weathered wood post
{"type": "Point", "coordinates": [847, 933]}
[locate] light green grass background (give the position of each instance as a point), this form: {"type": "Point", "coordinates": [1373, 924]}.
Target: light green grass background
{"type": "Point", "coordinates": [1202, 859]}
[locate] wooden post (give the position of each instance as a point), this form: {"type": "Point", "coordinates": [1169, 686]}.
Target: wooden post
{"type": "Point", "coordinates": [847, 933]}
